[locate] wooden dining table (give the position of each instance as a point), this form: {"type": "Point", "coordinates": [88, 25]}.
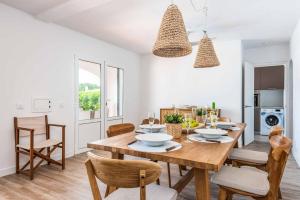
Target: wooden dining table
{"type": "Point", "coordinates": [200, 157]}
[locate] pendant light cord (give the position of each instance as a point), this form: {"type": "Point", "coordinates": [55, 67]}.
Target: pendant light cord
{"type": "Point", "coordinates": [203, 9]}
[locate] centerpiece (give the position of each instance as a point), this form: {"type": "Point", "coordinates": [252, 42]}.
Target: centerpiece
{"type": "Point", "coordinates": [174, 124]}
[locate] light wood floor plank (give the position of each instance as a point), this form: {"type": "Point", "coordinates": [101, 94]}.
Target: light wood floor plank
{"type": "Point", "coordinates": [50, 183]}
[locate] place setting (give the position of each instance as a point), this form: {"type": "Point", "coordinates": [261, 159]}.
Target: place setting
{"type": "Point", "coordinates": [154, 142]}
{"type": "Point", "coordinates": [210, 135]}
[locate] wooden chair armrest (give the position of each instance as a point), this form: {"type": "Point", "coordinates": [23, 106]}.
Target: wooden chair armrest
{"type": "Point", "coordinates": [24, 129]}
{"type": "Point", "coordinates": [31, 136]}
{"type": "Point", "coordinates": [57, 125]}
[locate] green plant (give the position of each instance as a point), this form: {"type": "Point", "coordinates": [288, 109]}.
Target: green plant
{"type": "Point", "coordinates": [89, 100]}
{"type": "Point", "coordinates": [199, 112]}
{"type": "Point", "coordinates": [174, 119]}
{"type": "Point", "coordinates": [88, 86]}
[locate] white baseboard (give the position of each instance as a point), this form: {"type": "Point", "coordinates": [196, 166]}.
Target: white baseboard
{"type": "Point", "coordinates": [7, 171]}
{"type": "Point", "coordinates": [12, 169]}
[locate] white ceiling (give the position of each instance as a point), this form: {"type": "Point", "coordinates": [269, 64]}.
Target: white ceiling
{"type": "Point", "coordinates": [133, 24]}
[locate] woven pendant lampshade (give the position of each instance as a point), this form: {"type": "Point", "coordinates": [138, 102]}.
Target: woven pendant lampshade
{"type": "Point", "coordinates": [206, 56]}
{"type": "Point", "coordinates": [172, 39]}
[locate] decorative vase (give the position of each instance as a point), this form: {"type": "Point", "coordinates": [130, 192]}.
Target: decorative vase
{"type": "Point", "coordinates": [174, 129]}
{"type": "Point", "coordinates": [92, 114]}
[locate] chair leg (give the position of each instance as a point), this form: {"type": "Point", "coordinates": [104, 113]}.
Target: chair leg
{"type": "Point", "coordinates": [63, 157]}
{"type": "Point", "coordinates": [31, 155]}
{"type": "Point", "coordinates": [229, 196]}
{"type": "Point", "coordinates": [279, 194]}
{"type": "Point", "coordinates": [169, 175]}
{"type": "Point", "coordinates": [17, 161]}
{"type": "Point", "coordinates": [48, 155]}
{"type": "Point", "coordinates": [222, 194]}
{"type": "Point", "coordinates": [180, 170]}
{"type": "Point", "coordinates": [63, 149]}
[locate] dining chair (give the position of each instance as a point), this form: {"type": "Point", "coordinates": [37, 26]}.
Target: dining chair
{"type": "Point", "coordinates": [146, 121]}
{"type": "Point", "coordinates": [132, 178]}
{"type": "Point", "coordinates": [245, 157]}
{"type": "Point", "coordinates": [180, 168]}
{"type": "Point", "coordinates": [30, 128]}
{"type": "Point", "coordinates": [118, 129]}
{"type": "Point", "coordinates": [252, 182]}
{"type": "Point", "coordinates": [224, 119]}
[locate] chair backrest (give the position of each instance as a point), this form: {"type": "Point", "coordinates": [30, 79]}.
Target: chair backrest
{"type": "Point", "coordinates": [39, 124]}
{"type": "Point", "coordinates": [278, 157]}
{"type": "Point", "coordinates": [119, 129]}
{"type": "Point", "coordinates": [121, 173]}
{"type": "Point", "coordinates": [224, 119]}
{"type": "Point", "coordinates": [276, 130]}
{"type": "Point", "coordinates": [146, 121]}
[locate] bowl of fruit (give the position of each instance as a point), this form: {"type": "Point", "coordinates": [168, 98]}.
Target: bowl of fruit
{"type": "Point", "coordinates": [192, 123]}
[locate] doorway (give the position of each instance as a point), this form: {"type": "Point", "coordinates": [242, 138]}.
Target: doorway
{"type": "Point", "coordinates": [269, 93]}
{"type": "Point", "coordinates": [99, 100]}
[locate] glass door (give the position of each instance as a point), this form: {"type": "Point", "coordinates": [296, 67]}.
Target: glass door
{"type": "Point", "coordinates": [88, 104]}
{"type": "Point", "coordinates": [114, 85]}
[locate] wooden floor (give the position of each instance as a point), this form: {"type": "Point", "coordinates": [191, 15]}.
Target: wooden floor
{"type": "Point", "coordinates": [52, 183]}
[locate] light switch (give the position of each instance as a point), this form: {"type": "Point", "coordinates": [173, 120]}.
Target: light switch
{"type": "Point", "coordinates": [41, 105]}
{"type": "Point", "coordinates": [19, 106]}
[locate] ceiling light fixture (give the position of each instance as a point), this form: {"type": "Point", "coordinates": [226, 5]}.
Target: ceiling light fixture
{"type": "Point", "coordinates": [206, 56]}
{"type": "Point", "coordinates": [172, 39]}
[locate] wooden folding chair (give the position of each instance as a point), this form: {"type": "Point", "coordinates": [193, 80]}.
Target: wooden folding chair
{"type": "Point", "coordinates": [31, 127]}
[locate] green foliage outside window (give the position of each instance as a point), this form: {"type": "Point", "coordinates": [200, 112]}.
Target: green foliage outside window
{"type": "Point", "coordinates": [89, 97]}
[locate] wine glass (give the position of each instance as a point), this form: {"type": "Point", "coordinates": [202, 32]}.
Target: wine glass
{"type": "Point", "coordinates": [204, 116]}
{"type": "Point", "coordinates": [151, 118]}
{"type": "Point", "coordinates": [188, 120]}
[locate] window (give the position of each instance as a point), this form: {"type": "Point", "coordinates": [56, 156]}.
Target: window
{"type": "Point", "coordinates": [114, 85]}
{"type": "Point", "coordinates": [89, 90]}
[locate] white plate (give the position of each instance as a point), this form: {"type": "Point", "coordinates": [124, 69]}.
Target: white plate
{"type": "Point", "coordinates": [226, 123]}
{"type": "Point", "coordinates": [153, 128]}
{"type": "Point", "coordinates": [198, 138]}
{"type": "Point", "coordinates": [154, 139]}
{"type": "Point", "coordinates": [140, 146]}
{"type": "Point", "coordinates": [211, 133]}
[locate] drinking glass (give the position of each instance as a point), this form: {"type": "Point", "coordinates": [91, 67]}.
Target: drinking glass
{"type": "Point", "coordinates": [204, 116]}
{"type": "Point", "coordinates": [188, 120]}
{"type": "Point", "coordinates": [151, 118]}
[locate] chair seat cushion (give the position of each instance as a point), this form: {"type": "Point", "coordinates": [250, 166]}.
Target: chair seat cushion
{"type": "Point", "coordinates": [245, 179]}
{"type": "Point", "coordinates": [153, 192]}
{"type": "Point", "coordinates": [42, 144]}
{"type": "Point", "coordinates": [249, 156]}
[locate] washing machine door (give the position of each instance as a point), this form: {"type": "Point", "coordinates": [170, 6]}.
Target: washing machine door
{"type": "Point", "coordinates": [272, 120]}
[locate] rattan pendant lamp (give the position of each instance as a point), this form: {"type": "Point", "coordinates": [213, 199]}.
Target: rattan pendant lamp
{"type": "Point", "coordinates": [206, 56]}
{"type": "Point", "coordinates": [172, 39]}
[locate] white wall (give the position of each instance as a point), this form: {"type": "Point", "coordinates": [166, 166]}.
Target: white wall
{"type": "Point", "coordinates": [167, 81]}
{"type": "Point", "coordinates": [267, 55]}
{"type": "Point", "coordinates": [37, 60]}
{"type": "Point", "coordinates": [295, 56]}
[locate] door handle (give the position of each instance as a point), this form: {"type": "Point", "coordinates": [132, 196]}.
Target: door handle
{"type": "Point", "coordinates": [247, 106]}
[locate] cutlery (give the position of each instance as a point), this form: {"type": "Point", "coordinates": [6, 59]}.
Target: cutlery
{"type": "Point", "coordinates": [171, 148]}
{"type": "Point", "coordinates": [140, 131]}
{"type": "Point", "coordinates": [132, 142]}
{"type": "Point", "coordinates": [210, 140]}
{"type": "Point", "coordinates": [207, 140]}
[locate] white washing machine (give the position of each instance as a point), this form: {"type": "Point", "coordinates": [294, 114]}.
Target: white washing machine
{"type": "Point", "coordinates": [270, 117]}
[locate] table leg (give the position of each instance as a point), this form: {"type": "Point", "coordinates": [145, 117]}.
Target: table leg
{"type": "Point", "coordinates": [202, 184]}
